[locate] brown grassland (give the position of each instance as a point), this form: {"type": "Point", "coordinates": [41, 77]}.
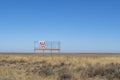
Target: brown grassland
{"type": "Point", "coordinates": [59, 66]}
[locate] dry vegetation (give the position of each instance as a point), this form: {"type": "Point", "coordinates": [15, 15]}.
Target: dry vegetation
{"type": "Point", "coordinates": [60, 67]}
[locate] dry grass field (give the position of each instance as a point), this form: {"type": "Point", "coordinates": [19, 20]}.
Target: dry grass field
{"type": "Point", "coordinates": [59, 66]}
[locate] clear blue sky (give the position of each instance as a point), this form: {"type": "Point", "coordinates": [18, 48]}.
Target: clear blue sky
{"type": "Point", "coordinates": [80, 25]}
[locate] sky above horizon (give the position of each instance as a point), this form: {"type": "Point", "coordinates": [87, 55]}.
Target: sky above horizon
{"type": "Point", "coordinates": [80, 25]}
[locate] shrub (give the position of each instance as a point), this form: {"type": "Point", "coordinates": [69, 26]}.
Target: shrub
{"type": "Point", "coordinates": [45, 71]}
{"type": "Point", "coordinates": [65, 76]}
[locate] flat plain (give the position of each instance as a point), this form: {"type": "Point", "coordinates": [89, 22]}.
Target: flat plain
{"type": "Point", "coordinates": [64, 66]}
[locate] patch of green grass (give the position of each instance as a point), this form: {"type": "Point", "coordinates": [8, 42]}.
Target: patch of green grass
{"type": "Point", "coordinates": [4, 78]}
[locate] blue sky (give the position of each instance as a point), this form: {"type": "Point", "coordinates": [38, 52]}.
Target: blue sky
{"type": "Point", "coordinates": [80, 25]}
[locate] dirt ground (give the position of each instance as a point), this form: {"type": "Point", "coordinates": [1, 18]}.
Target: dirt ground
{"type": "Point", "coordinates": [84, 66]}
